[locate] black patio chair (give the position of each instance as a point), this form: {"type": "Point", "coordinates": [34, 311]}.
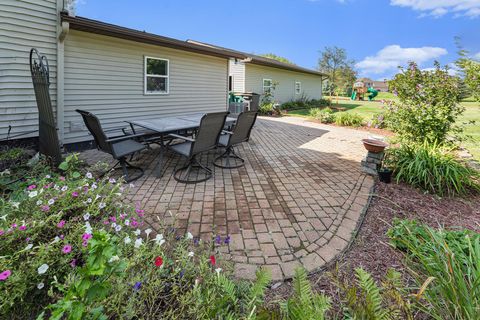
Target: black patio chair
{"type": "Point", "coordinates": [205, 140]}
{"type": "Point", "coordinates": [120, 147]}
{"type": "Point", "coordinates": [229, 139]}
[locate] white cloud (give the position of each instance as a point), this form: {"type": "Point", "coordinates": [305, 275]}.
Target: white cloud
{"type": "Point", "coordinates": [390, 57]}
{"type": "Point", "coordinates": [438, 8]}
{"type": "Point", "coordinates": [452, 69]}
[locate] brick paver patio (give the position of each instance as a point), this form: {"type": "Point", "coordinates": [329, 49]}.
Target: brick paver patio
{"type": "Point", "coordinates": [296, 202]}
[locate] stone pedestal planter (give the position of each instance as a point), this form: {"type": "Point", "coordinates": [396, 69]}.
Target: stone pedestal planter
{"type": "Point", "coordinates": [372, 163]}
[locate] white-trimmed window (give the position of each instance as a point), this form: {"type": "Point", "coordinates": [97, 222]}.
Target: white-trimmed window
{"type": "Point", "coordinates": [156, 75]}
{"type": "Point", "coordinates": [267, 85]}
{"type": "Point", "coordinates": [298, 87]}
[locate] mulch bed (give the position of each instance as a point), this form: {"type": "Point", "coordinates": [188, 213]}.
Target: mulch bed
{"type": "Point", "coordinates": [371, 250]}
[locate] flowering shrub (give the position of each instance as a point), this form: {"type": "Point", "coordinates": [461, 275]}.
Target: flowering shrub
{"type": "Point", "coordinates": [70, 249]}
{"type": "Point", "coordinates": [428, 104]}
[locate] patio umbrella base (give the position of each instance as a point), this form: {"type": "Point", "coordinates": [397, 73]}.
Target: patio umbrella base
{"type": "Point", "coordinates": [229, 160]}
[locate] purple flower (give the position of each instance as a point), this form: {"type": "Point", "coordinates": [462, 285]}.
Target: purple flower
{"type": "Point", "coordinates": [45, 208]}
{"type": "Point", "coordinates": [73, 263]}
{"type": "Point", "coordinates": [113, 219]}
{"type": "Point", "coordinates": [22, 228]}
{"type": "Point", "coordinates": [218, 239]}
{"type": "Point", "coordinates": [86, 236]}
{"type": "Point", "coordinates": [61, 224]}
{"type": "Point", "coordinates": [182, 273]}
{"type": "Point", "coordinates": [137, 286]}
{"type": "Point", "coordinates": [31, 187]}
{"type": "Point", "coordinates": [74, 194]}
{"type": "Point", "coordinates": [227, 240]}
{"type": "Point", "coordinates": [62, 178]}
{"type": "Point", "coordinates": [196, 241]}
{"type": "Point", "coordinates": [5, 274]}
{"type": "Point", "coordinates": [2, 232]}
{"type": "Point", "coordinates": [67, 249]}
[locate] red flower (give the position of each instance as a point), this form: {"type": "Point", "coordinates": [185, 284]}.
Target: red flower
{"type": "Point", "coordinates": [158, 261]}
{"type": "Point", "coordinates": [213, 260]}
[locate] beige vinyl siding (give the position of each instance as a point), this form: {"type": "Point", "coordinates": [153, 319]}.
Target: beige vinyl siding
{"type": "Point", "coordinates": [105, 75]}
{"type": "Point", "coordinates": [285, 89]}
{"type": "Point", "coordinates": [24, 24]}
{"type": "Point", "coordinates": [237, 70]}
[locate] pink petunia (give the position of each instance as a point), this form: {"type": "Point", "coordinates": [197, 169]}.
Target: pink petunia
{"type": "Point", "coordinates": [61, 224]}
{"type": "Point", "coordinates": [62, 178]}
{"type": "Point", "coordinates": [75, 194]}
{"type": "Point", "coordinates": [113, 219]}
{"type": "Point", "coordinates": [67, 249]}
{"type": "Point", "coordinates": [73, 263]}
{"type": "Point", "coordinates": [31, 187]}
{"type": "Point", "coordinates": [22, 228]}
{"type": "Point", "coordinates": [5, 274]}
{"type": "Point", "coordinates": [45, 208]}
{"type": "Point", "coordinates": [86, 236]}
{"type": "Point", "coordinates": [2, 232]}
{"type": "Point", "coordinates": [14, 225]}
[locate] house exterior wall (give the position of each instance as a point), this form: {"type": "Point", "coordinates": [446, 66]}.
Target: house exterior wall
{"type": "Point", "coordinates": [24, 24]}
{"type": "Point", "coordinates": [105, 75]}
{"type": "Point", "coordinates": [237, 71]}
{"type": "Point", "coordinates": [311, 85]}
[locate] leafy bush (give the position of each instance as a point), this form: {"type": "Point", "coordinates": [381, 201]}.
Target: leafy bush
{"type": "Point", "coordinates": [304, 304]}
{"type": "Point", "coordinates": [377, 121]}
{"type": "Point", "coordinates": [11, 154]}
{"type": "Point", "coordinates": [428, 104]}
{"type": "Point", "coordinates": [348, 119]}
{"type": "Point", "coordinates": [364, 299]}
{"type": "Point", "coordinates": [266, 109]}
{"type": "Point", "coordinates": [449, 261]}
{"type": "Point", "coordinates": [305, 104]}
{"type": "Point", "coordinates": [323, 115]}
{"type": "Point", "coordinates": [72, 249]}
{"type": "Point", "coordinates": [433, 168]}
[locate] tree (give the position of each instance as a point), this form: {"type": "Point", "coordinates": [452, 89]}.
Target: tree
{"type": "Point", "coordinates": [335, 63]}
{"type": "Point", "coordinates": [470, 70]}
{"type": "Point", "coordinates": [275, 57]}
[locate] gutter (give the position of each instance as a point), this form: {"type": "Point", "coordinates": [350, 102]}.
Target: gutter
{"type": "Point", "coordinates": [62, 31]}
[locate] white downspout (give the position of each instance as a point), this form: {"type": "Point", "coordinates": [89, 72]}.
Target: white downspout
{"type": "Point", "coordinates": [62, 31]}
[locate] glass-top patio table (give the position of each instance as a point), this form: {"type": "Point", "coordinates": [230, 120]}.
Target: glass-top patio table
{"type": "Point", "coordinates": [173, 124]}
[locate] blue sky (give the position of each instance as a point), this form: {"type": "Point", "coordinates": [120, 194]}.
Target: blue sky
{"type": "Point", "coordinates": [378, 34]}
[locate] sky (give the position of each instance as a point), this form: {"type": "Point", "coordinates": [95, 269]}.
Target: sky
{"type": "Point", "coordinates": [379, 35]}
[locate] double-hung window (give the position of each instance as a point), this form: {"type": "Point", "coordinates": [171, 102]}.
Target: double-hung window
{"type": "Point", "coordinates": [298, 87]}
{"type": "Point", "coordinates": [267, 85]}
{"type": "Point", "coordinates": [156, 75]}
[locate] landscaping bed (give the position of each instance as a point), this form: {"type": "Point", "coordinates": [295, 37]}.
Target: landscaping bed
{"type": "Point", "coordinates": [372, 251]}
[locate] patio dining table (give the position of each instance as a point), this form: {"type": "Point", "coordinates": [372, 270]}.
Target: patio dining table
{"type": "Point", "coordinates": [172, 124]}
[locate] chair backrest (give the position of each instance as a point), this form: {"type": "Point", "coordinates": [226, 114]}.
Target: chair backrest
{"type": "Point", "coordinates": [95, 128]}
{"type": "Point", "coordinates": [211, 127]}
{"type": "Point", "coordinates": [49, 144]}
{"type": "Point", "coordinates": [243, 127]}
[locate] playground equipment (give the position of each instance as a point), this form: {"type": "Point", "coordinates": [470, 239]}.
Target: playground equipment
{"type": "Point", "coordinates": [360, 89]}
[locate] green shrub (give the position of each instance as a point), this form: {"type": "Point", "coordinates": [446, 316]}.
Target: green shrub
{"type": "Point", "coordinates": [432, 168]}
{"type": "Point", "coordinates": [305, 104]}
{"type": "Point", "coordinates": [325, 115]}
{"type": "Point", "coordinates": [266, 109]}
{"type": "Point", "coordinates": [304, 304]}
{"type": "Point", "coordinates": [364, 299]}
{"type": "Point", "coordinates": [11, 154]}
{"type": "Point", "coordinates": [348, 119]}
{"type": "Point", "coordinates": [428, 104]}
{"type": "Point", "coordinates": [446, 266]}
{"type": "Point", "coordinates": [377, 121]}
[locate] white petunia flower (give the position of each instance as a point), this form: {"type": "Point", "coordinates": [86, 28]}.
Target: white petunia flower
{"type": "Point", "coordinates": [113, 259]}
{"type": "Point", "coordinates": [56, 187]}
{"type": "Point", "coordinates": [102, 205]}
{"type": "Point", "coordinates": [89, 200]}
{"type": "Point", "coordinates": [29, 246]}
{"type": "Point", "coordinates": [56, 239]}
{"type": "Point", "coordinates": [127, 222]}
{"type": "Point", "coordinates": [218, 270]}
{"type": "Point", "coordinates": [127, 240]}
{"type": "Point", "coordinates": [114, 225]}
{"type": "Point", "coordinates": [94, 186]}
{"type": "Point", "coordinates": [131, 185]}
{"type": "Point", "coordinates": [33, 194]}
{"type": "Point", "coordinates": [42, 269]}
{"type": "Point", "coordinates": [64, 188]}
{"type": "Point", "coordinates": [148, 231]}
{"type": "Point", "coordinates": [40, 286]}
{"type": "Point", "coordinates": [189, 236]}
{"type": "Point", "coordinates": [39, 202]}
{"type": "Point", "coordinates": [47, 176]}
{"type": "Point", "coordinates": [112, 180]}
{"type": "Point", "coordinates": [51, 201]}
{"type": "Point", "coordinates": [137, 232]}
{"type": "Point", "coordinates": [118, 228]}
{"type": "Point", "coordinates": [138, 242]}
{"type": "Point", "coordinates": [89, 175]}
{"type": "Point", "coordinates": [159, 239]}
{"type": "Point", "coordinates": [86, 216]}
{"type": "Point", "coordinates": [16, 204]}
{"type": "Point", "coordinates": [191, 254]}
{"type": "Point", "coordinates": [88, 228]}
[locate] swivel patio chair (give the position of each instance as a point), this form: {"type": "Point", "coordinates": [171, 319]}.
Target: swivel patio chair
{"type": "Point", "coordinates": [229, 139]}
{"type": "Point", "coordinates": [206, 139]}
{"type": "Point", "coordinates": [119, 147]}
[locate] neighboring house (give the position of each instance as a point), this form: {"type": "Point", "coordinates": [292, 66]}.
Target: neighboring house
{"type": "Point", "coordinates": [377, 85]}
{"type": "Point", "coordinates": [115, 72]}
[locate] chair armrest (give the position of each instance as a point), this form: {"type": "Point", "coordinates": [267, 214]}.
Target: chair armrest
{"type": "Point", "coordinates": [227, 132]}
{"type": "Point", "coordinates": [115, 129]}
{"type": "Point", "coordinates": [122, 138]}
{"type": "Point", "coordinates": [181, 137]}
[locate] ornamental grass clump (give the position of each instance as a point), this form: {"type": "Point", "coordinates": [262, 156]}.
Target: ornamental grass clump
{"type": "Point", "coordinates": [432, 168]}
{"type": "Point", "coordinates": [446, 267]}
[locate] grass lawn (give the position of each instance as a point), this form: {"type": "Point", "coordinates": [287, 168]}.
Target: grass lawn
{"type": "Point", "coordinates": [368, 108]}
